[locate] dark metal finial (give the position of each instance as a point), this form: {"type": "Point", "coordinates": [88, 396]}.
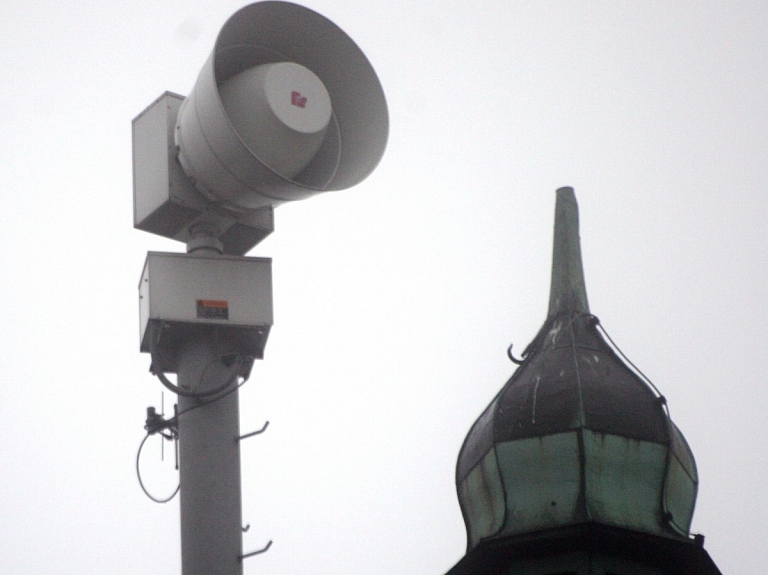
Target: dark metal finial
{"type": "Point", "coordinates": [568, 292]}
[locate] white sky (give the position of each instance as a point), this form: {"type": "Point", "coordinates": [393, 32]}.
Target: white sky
{"type": "Point", "coordinates": [394, 301]}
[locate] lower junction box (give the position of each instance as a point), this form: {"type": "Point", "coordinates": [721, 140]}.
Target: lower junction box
{"type": "Point", "coordinates": [183, 296]}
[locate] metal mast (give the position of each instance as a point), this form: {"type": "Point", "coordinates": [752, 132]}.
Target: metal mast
{"type": "Point", "coordinates": [209, 453]}
{"type": "Point", "coordinates": [283, 92]}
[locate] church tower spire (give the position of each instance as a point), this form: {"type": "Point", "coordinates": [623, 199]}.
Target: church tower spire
{"type": "Point", "coordinates": [575, 467]}
{"type": "Point", "coordinates": [568, 291]}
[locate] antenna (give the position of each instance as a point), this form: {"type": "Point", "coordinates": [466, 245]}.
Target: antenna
{"type": "Point", "coordinates": [168, 430]}
{"type": "Point", "coordinates": [162, 414]}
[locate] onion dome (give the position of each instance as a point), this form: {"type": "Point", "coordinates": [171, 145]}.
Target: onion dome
{"type": "Point", "coordinates": [576, 436]}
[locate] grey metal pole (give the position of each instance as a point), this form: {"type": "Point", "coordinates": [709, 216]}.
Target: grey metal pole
{"type": "Point", "coordinates": [209, 466]}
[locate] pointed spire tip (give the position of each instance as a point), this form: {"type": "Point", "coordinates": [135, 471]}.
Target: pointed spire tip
{"type": "Point", "coordinates": [568, 292]}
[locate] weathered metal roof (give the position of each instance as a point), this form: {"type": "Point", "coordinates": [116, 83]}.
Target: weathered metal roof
{"type": "Point", "coordinates": [576, 436]}
{"type": "Point", "coordinates": [571, 379]}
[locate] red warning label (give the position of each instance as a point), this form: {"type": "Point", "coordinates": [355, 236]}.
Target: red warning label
{"type": "Point", "coordinates": [212, 309]}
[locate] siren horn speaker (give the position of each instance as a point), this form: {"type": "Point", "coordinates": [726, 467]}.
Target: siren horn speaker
{"type": "Point", "coordinates": [287, 106]}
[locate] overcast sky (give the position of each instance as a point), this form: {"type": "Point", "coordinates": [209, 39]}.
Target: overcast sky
{"type": "Point", "coordinates": [396, 300]}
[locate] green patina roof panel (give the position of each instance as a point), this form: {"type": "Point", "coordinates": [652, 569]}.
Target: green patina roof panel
{"type": "Point", "coordinates": [623, 480]}
{"type": "Point", "coordinates": [483, 494]}
{"type": "Point", "coordinates": [542, 481]}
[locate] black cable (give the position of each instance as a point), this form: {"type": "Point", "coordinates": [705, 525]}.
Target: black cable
{"type": "Point", "coordinates": [141, 483]}
{"type": "Point", "coordinates": [212, 396]}
{"type": "Point", "coordinates": [173, 436]}
{"type": "Point", "coordinates": [198, 394]}
{"type": "Point", "coordinates": [637, 369]}
{"type": "Point", "coordinates": [668, 517]}
{"type": "Point", "coordinates": [214, 400]}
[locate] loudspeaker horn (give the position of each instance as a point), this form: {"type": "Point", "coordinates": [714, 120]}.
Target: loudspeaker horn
{"type": "Point", "coordinates": [287, 106]}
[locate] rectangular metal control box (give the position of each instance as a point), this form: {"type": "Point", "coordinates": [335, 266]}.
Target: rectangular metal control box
{"type": "Point", "coordinates": [183, 294]}
{"type": "Point", "coordinates": [166, 201]}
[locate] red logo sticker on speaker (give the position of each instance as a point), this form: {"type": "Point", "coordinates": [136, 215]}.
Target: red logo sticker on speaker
{"type": "Point", "coordinates": [298, 100]}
